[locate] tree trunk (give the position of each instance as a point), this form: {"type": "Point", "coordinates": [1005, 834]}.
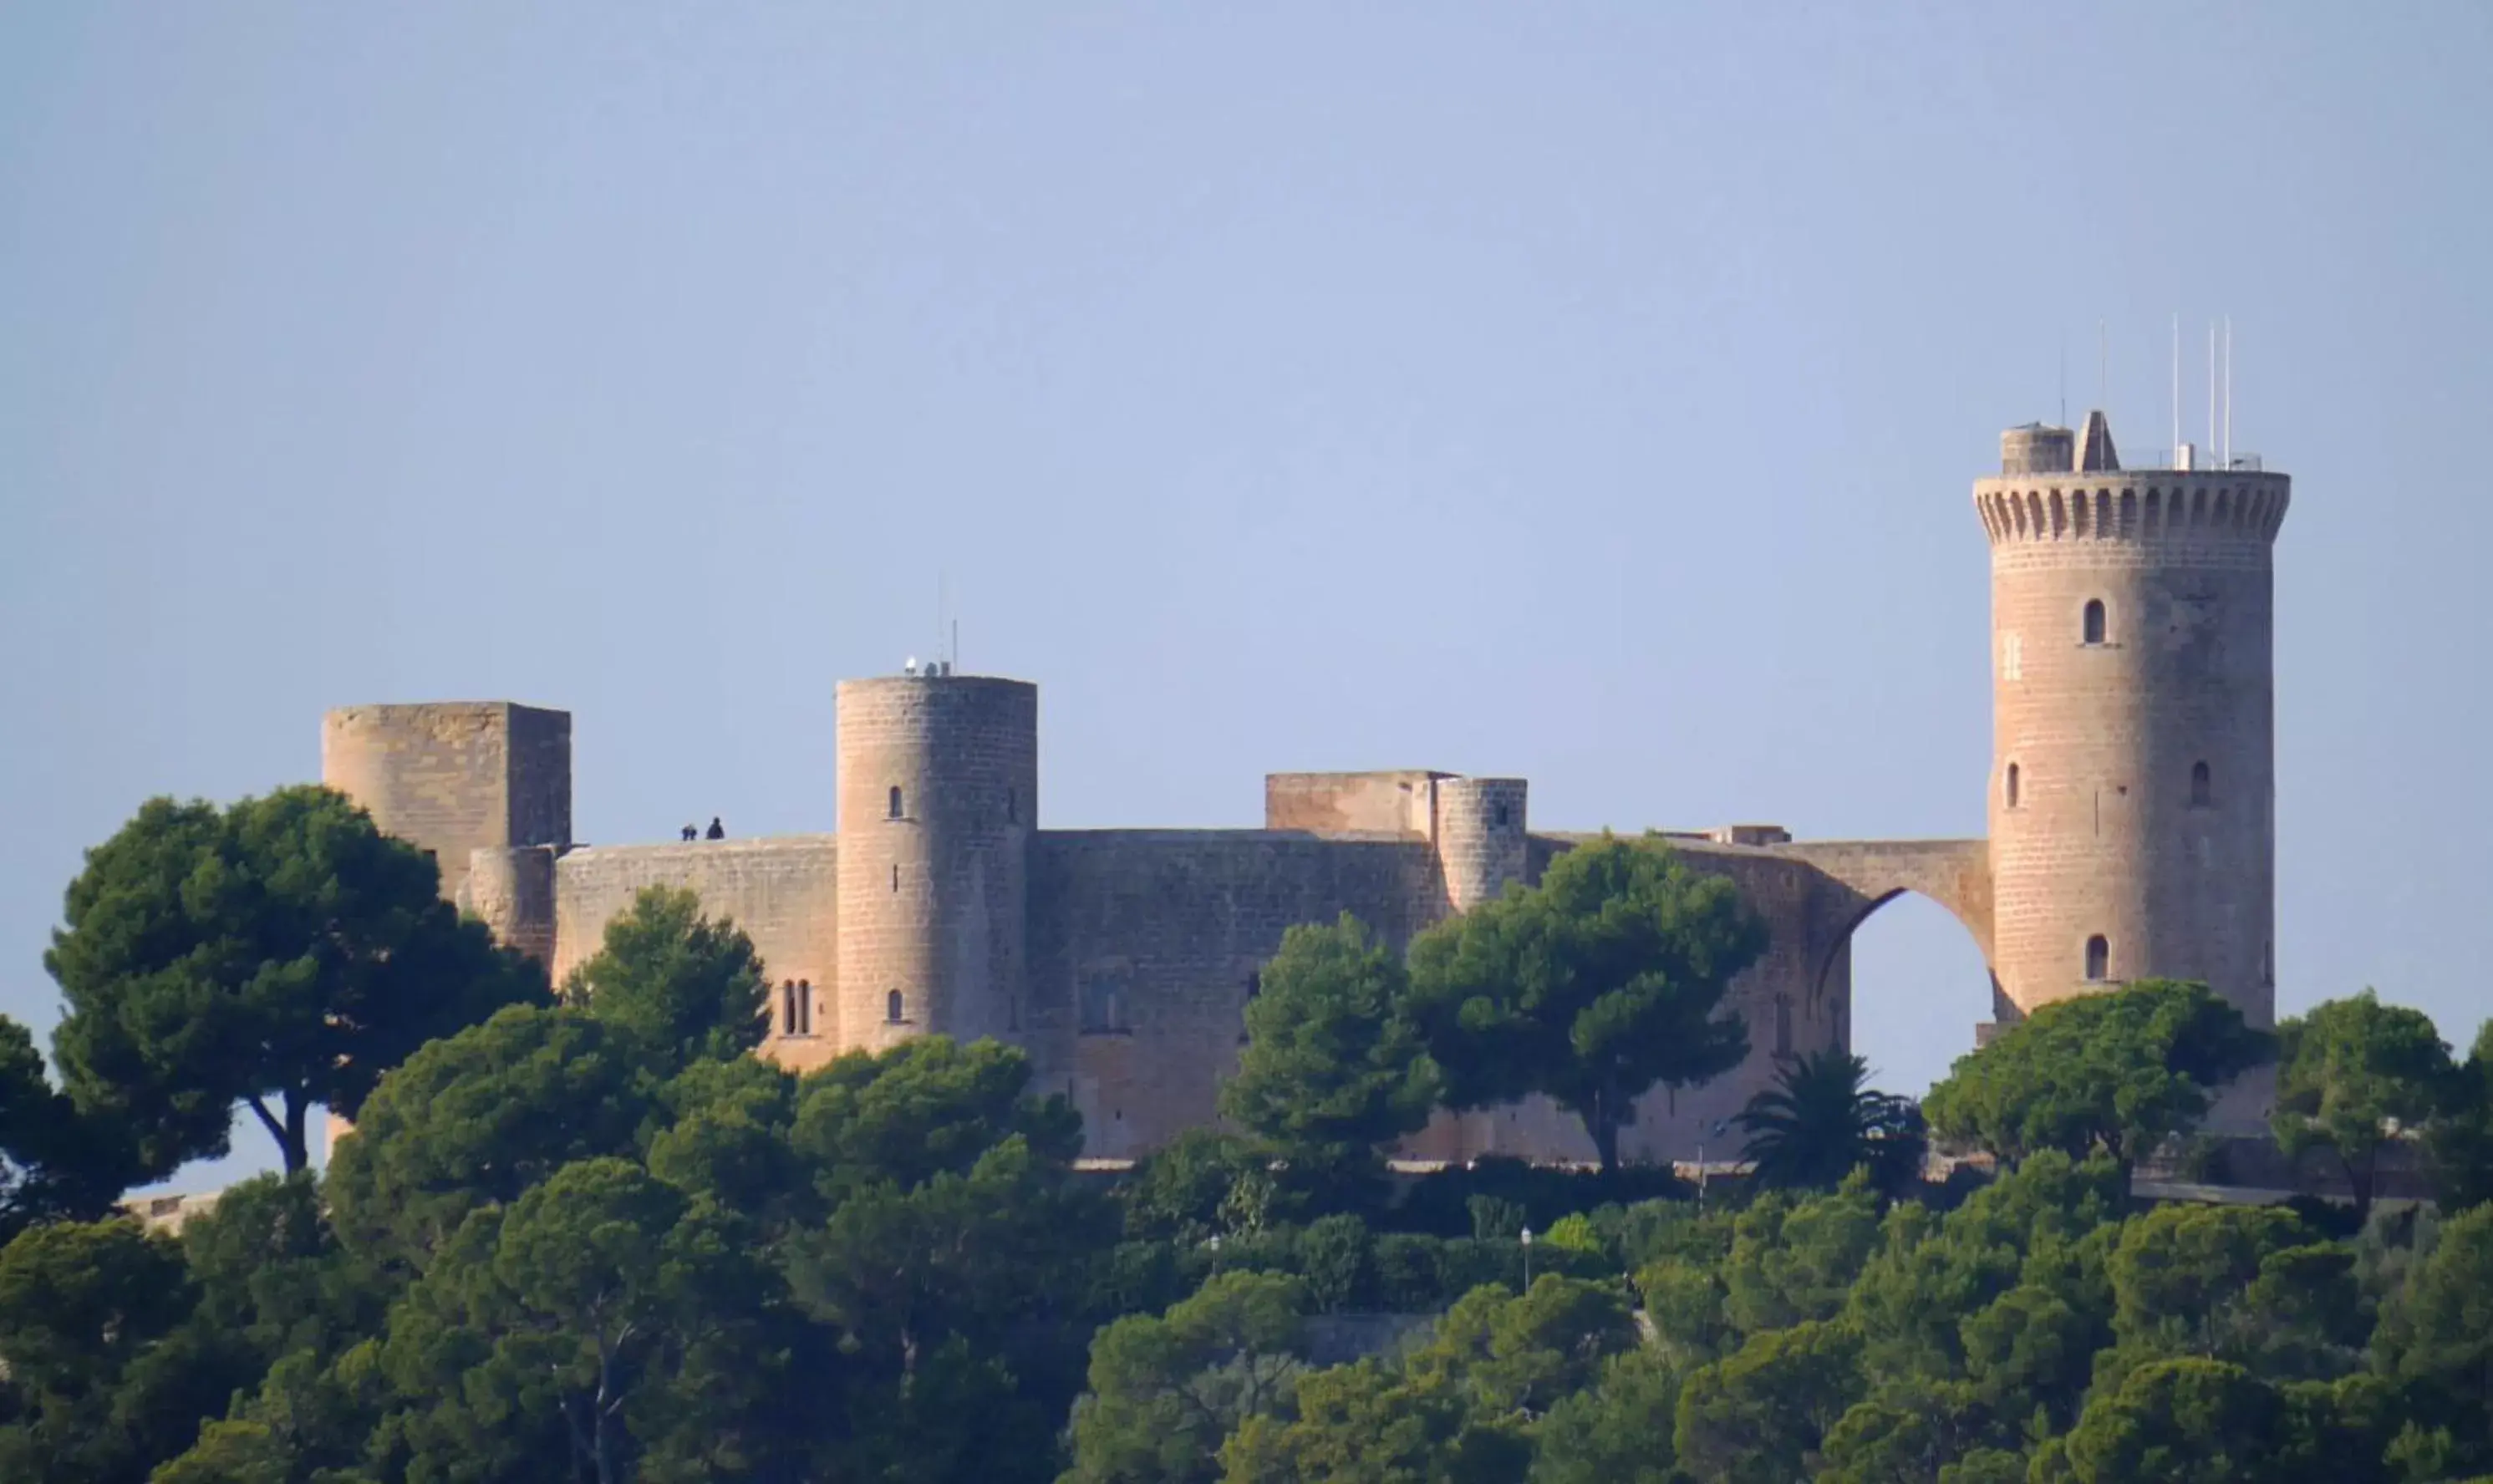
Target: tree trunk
{"type": "Point", "coordinates": [288, 1133]}
{"type": "Point", "coordinates": [603, 1456]}
{"type": "Point", "coordinates": [1602, 1122]}
{"type": "Point", "coordinates": [2361, 1179]}
{"type": "Point", "coordinates": [298, 1142]}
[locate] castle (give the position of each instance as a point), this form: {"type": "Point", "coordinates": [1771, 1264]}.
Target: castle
{"type": "Point", "coordinates": [2131, 835]}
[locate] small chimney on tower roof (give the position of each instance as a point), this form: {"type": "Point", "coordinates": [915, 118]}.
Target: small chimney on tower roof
{"type": "Point", "coordinates": [2095, 453]}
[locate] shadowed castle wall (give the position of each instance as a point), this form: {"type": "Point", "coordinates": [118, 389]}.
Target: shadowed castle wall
{"type": "Point", "coordinates": [1145, 944]}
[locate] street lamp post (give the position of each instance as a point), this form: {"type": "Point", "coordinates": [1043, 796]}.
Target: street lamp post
{"type": "Point", "coordinates": [1527, 1258]}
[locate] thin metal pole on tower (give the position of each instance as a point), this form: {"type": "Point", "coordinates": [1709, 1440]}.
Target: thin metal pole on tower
{"type": "Point", "coordinates": [2229, 390]}
{"type": "Point", "coordinates": [2211, 385]}
{"type": "Point", "coordinates": [2177, 386]}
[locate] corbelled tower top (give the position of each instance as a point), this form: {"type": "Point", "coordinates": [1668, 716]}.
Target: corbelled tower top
{"type": "Point", "coordinates": [2132, 826]}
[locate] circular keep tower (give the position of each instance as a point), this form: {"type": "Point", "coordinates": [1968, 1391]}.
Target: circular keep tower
{"type": "Point", "coordinates": [937, 796]}
{"type": "Point", "coordinates": [2133, 738]}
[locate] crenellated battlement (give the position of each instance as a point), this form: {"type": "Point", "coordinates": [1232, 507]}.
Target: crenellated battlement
{"type": "Point", "coordinates": [2147, 506]}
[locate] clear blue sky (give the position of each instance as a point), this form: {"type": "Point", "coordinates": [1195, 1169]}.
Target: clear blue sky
{"type": "Point", "coordinates": [1584, 393]}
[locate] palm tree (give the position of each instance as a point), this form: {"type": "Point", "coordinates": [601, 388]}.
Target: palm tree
{"type": "Point", "coordinates": [1818, 1121]}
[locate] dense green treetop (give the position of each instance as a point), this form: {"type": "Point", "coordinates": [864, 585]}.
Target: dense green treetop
{"type": "Point", "coordinates": [55, 1162]}
{"type": "Point", "coordinates": [1166, 1390]}
{"type": "Point", "coordinates": [2351, 1075]}
{"type": "Point", "coordinates": [2189, 1421]}
{"type": "Point", "coordinates": [691, 987]}
{"type": "Point", "coordinates": [1759, 1414]}
{"type": "Point", "coordinates": [2117, 1072]}
{"type": "Point", "coordinates": [1333, 1066]}
{"type": "Point", "coordinates": [476, 1118]}
{"type": "Point", "coordinates": [282, 954]}
{"type": "Point", "coordinates": [2460, 1141]}
{"type": "Point", "coordinates": [1604, 981]}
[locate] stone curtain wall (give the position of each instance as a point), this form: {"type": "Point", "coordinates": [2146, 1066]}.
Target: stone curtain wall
{"type": "Point", "coordinates": [1143, 943]}
{"type": "Point", "coordinates": [782, 891]}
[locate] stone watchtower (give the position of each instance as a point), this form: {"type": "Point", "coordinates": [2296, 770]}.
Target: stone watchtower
{"type": "Point", "coordinates": [937, 799]}
{"type": "Point", "coordinates": [2133, 771]}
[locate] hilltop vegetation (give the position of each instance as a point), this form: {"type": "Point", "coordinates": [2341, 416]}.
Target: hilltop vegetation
{"type": "Point", "coordinates": [587, 1236]}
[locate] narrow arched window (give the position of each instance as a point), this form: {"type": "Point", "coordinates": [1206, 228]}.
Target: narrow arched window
{"type": "Point", "coordinates": [805, 1007]}
{"type": "Point", "coordinates": [2093, 621]}
{"type": "Point", "coordinates": [2201, 786]}
{"type": "Point", "coordinates": [1500, 816]}
{"type": "Point", "coordinates": [891, 1007]}
{"type": "Point", "coordinates": [787, 1009]}
{"type": "Point", "coordinates": [2098, 959]}
{"type": "Point", "coordinates": [2010, 787]}
{"type": "Point", "coordinates": [895, 801]}
{"type": "Point", "coordinates": [895, 875]}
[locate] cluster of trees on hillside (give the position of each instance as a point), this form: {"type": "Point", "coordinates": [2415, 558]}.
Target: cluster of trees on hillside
{"type": "Point", "coordinates": [580, 1234]}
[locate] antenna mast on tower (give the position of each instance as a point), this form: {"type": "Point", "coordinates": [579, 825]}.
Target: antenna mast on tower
{"type": "Point", "coordinates": [2227, 452]}
{"type": "Point", "coordinates": [2176, 388]}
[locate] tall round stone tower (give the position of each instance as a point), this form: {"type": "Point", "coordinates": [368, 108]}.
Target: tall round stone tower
{"type": "Point", "coordinates": [937, 796]}
{"type": "Point", "coordinates": [2133, 769]}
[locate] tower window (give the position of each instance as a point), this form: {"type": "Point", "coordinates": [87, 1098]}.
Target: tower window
{"type": "Point", "coordinates": [891, 1008]}
{"type": "Point", "coordinates": [895, 801]}
{"type": "Point", "coordinates": [2202, 789]}
{"type": "Point", "coordinates": [797, 1007]}
{"type": "Point", "coordinates": [2098, 959]}
{"type": "Point", "coordinates": [895, 877]}
{"type": "Point", "coordinates": [2093, 622]}
{"type": "Point", "coordinates": [2010, 787]}
{"type": "Point", "coordinates": [1101, 1007]}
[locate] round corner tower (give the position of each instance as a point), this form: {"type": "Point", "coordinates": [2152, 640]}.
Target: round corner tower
{"type": "Point", "coordinates": [1480, 840]}
{"type": "Point", "coordinates": [937, 796]}
{"type": "Point", "coordinates": [2132, 818]}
